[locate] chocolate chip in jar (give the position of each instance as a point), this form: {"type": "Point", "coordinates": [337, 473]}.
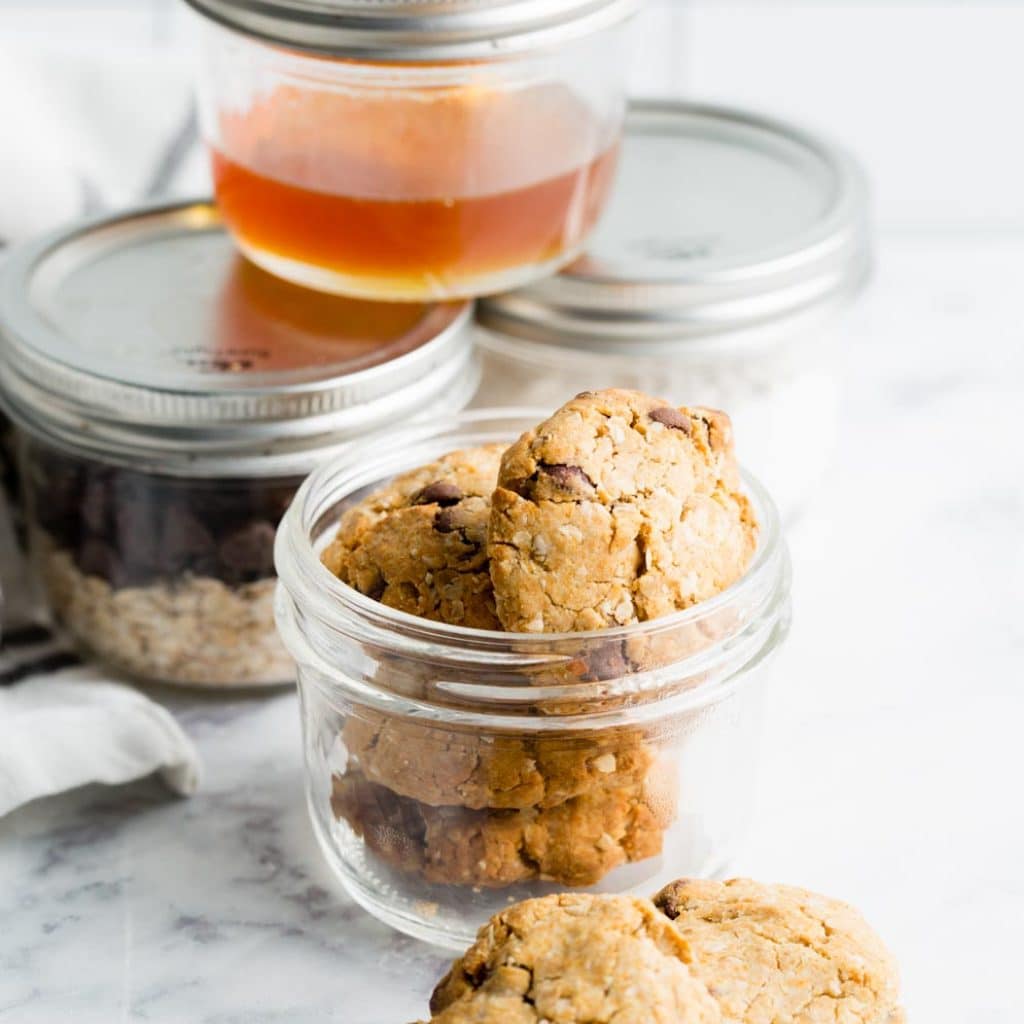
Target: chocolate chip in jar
{"type": "Point", "coordinates": [441, 492]}
{"type": "Point", "coordinates": [248, 552]}
{"type": "Point", "coordinates": [186, 544]}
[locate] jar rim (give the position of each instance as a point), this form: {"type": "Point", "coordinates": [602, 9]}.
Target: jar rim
{"type": "Point", "coordinates": [323, 599]}
{"type": "Point", "coordinates": [416, 31]}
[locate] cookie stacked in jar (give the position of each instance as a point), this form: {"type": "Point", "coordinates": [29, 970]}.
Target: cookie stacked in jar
{"type": "Point", "coordinates": [531, 654]}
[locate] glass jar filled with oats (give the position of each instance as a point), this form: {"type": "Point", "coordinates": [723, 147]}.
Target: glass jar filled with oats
{"type": "Point", "coordinates": [168, 398]}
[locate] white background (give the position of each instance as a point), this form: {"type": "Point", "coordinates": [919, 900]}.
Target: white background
{"type": "Point", "coordinates": [928, 94]}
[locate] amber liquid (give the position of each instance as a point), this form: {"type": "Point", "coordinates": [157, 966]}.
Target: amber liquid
{"type": "Point", "coordinates": [413, 247]}
{"type": "Point", "coordinates": [441, 194]}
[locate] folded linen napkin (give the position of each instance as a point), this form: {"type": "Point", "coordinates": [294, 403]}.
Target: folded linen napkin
{"type": "Point", "coordinates": [65, 725]}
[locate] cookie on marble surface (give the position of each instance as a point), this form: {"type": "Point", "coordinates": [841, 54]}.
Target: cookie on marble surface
{"type": "Point", "coordinates": [618, 509]}
{"type": "Point", "coordinates": [574, 843]}
{"type": "Point", "coordinates": [574, 959]}
{"type": "Point", "coordinates": [419, 544]}
{"type": "Point", "coordinates": [772, 953]}
{"type": "Point", "coordinates": [440, 766]}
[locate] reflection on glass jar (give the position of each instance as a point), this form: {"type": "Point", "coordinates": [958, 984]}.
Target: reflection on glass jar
{"type": "Point", "coordinates": [452, 770]}
{"type": "Point", "coordinates": [451, 172]}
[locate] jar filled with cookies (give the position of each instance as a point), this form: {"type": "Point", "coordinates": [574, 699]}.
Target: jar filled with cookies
{"type": "Point", "coordinates": [391, 149]}
{"type": "Point", "coordinates": [531, 653]}
{"type": "Point", "coordinates": [168, 398]}
{"type": "Point", "coordinates": [723, 273]}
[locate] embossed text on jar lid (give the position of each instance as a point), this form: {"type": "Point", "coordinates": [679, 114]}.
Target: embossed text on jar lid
{"type": "Point", "coordinates": [416, 30]}
{"type": "Point", "coordinates": [720, 220]}
{"type": "Point", "coordinates": [147, 333]}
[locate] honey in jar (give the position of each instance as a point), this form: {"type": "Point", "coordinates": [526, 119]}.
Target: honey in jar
{"type": "Point", "coordinates": [440, 193]}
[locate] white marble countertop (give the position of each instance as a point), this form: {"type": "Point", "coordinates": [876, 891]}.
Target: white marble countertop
{"type": "Point", "coordinates": [892, 764]}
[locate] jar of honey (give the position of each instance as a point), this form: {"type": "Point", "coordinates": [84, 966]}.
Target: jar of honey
{"type": "Point", "coordinates": [399, 150]}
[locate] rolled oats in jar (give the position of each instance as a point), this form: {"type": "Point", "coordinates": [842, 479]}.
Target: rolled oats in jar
{"type": "Point", "coordinates": [168, 397]}
{"type": "Point", "coordinates": [731, 249]}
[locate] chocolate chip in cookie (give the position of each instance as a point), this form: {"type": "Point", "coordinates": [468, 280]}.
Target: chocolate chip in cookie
{"type": "Point", "coordinates": [569, 478]}
{"type": "Point", "coordinates": [673, 419]}
{"type": "Point", "coordinates": [440, 492]}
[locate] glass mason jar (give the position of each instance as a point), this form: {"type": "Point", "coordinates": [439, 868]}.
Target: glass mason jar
{"type": "Point", "coordinates": [720, 276]}
{"type": "Point", "coordinates": [168, 398]}
{"type": "Point", "coordinates": [400, 150]}
{"type": "Point", "coordinates": [451, 771]}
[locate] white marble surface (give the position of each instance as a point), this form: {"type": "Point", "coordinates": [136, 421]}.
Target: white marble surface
{"type": "Point", "coordinates": [892, 764]}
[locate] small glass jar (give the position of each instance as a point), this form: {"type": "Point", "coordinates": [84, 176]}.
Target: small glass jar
{"type": "Point", "coordinates": [451, 771]}
{"type": "Point", "coordinates": [168, 398]}
{"type": "Point", "coordinates": [397, 150]}
{"type": "Point", "coordinates": [720, 276]}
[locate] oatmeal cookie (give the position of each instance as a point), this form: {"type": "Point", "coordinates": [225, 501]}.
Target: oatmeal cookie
{"type": "Point", "coordinates": [574, 959]}
{"type": "Point", "coordinates": [574, 843]}
{"type": "Point", "coordinates": [618, 509]}
{"type": "Point", "coordinates": [770, 952]}
{"type": "Point", "coordinates": [420, 543]}
{"type": "Point", "coordinates": [439, 766]}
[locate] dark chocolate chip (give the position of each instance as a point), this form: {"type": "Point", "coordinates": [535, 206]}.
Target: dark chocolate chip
{"type": "Point", "coordinates": [446, 521]}
{"type": "Point", "coordinates": [96, 505]}
{"type": "Point", "coordinates": [56, 495]}
{"type": "Point", "coordinates": [97, 558]}
{"type": "Point", "coordinates": [608, 661]}
{"type": "Point", "coordinates": [522, 485]}
{"type": "Point", "coordinates": [185, 542]}
{"type": "Point", "coordinates": [672, 418]}
{"type": "Point", "coordinates": [455, 520]}
{"type": "Point", "coordinates": [441, 492]}
{"type": "Point", "coordinates": [137, 534]}
{"type": "Point", "coordinates": [669, 901]}
{"type": "Point", "coordinates": [568, 478]}
{"type": "Point", "coordinates": [375, 591]}
{"type": "Point", "coordinates": [249, 550]}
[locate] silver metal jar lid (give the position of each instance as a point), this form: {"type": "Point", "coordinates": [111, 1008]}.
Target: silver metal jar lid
{"type": "Point", "coordinates": [416, 30]}
{"type": "Point", "coordinates": [145, 337]}
{"type": "Point", "coordinates": [720, 221]}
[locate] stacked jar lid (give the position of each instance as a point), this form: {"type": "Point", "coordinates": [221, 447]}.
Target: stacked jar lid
{"type": "Point", "coordinates": [174, 372]}
{"type": "Point", "coordinates": [168, 398]}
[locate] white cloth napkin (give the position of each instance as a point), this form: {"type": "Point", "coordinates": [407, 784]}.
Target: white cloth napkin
{"type": "Point", "coordinates": [86, 131]}
{"type": "Point", "coordinates": [65, 729]}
